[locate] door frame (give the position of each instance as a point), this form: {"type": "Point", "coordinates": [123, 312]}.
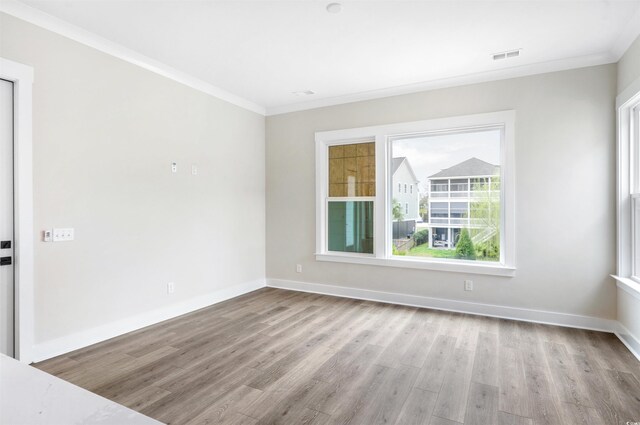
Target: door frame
{"type": "Point", "coordinates": [22, 78]}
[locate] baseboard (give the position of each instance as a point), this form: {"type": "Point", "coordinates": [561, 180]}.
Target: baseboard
{"type": "Point", "coordinates": [514, 313]}
{"type": "Point", "coordinates": [628, 339]}
{"type": "Point", "coordinates": [66, 344]}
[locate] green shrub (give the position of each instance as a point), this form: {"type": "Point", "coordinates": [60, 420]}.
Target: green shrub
{"type": "Point", "coordinates": [421, 237]}
{"type": "Point", "coordinates": [396, 252]}
{"type": "Point", "coordinates": [464, 248]}
{"type": "Point", "coordinates": [488, 249]}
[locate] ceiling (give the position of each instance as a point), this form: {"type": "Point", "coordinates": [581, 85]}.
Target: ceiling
{"type": "Point", "coordinates": [263, 51]}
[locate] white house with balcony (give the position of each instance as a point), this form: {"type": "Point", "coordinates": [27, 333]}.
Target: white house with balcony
{"type": "Point", "coordinates": [405, 188]}
{"type": "Point", "coordinates": [452, 194]}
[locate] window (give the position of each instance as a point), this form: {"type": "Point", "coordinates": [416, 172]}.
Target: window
{"type": "Point", "coordinates": [628, 268]}
{"type": "Point", "coordinates": [351, 198]}
{"type": "Point", "coordinates": [465, 164]}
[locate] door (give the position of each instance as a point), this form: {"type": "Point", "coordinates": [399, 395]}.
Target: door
{"type": "Point", "coordinates": [6, 220]}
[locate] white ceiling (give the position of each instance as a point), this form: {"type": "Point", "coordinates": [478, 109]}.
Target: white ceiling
{"type": "Point", "coordinates": [264, 50]}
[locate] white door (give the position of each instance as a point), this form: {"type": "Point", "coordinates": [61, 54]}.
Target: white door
{"type": "Point", "coordinates": [6, 219]}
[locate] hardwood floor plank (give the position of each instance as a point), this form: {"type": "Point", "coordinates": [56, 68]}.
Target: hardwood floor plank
{"type": "Point", "coordinates": [452, 399]}
{"type": "Point", "coordinates": [418, 408]}
{"type": "Point", "coordinates": [485, 365]}
{"type": "Point", "coordinates": [433, 371]}
{"type": "Point", "coordinates": [512, 385]}
{"type": "Point", "coordinates": [387, 402]}
{"type": "Point", "coordinates": [482, 405]}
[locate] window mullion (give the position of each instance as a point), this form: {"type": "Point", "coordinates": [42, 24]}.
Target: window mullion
{"type": "Point", "coordinates": [382, 205]}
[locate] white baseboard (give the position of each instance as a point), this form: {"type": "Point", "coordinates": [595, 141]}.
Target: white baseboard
{"type": "Point", "coordinates": [628, 339]}
{"type": "Point", "coordinates": [66, 344]}
{"type": "Point", "coordinates": [527, 315]}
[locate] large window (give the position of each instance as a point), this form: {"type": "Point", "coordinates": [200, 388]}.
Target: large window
{"type": "Point", "coordinates": [460, 217]}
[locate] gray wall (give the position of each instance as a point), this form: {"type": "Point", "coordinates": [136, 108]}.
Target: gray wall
{"type": "Point", "coordinates": [629, 66]}
{"type": "Point", "coordinates": [565, 170]}
{"type": "Point", "coordinates": [105, 134]}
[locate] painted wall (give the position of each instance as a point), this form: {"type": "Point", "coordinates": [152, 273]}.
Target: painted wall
{"type": "Point", "coordinates": [629, 66]}
{"type": "Point", "coordinates": [629, 306]}
{"type": "Point", "coordinates": [565, 172]}
{"type": "Point", "coordinates": [105, 134]}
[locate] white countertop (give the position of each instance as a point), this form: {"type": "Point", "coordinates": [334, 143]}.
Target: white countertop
{"type": "Point", "coordinates": [30, 396]}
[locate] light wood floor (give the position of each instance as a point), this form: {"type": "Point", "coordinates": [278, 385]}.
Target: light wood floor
{"type": "Point", "coordinates": [283, 357]}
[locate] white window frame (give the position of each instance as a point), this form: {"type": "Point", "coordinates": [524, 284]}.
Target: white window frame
{"type": "Point", "coordinates": [383, 135]}
{"type": "Point", "coordinates": [628, 184]}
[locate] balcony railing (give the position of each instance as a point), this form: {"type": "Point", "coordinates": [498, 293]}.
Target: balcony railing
{"type": "Point", "coordinates": [454, 221]}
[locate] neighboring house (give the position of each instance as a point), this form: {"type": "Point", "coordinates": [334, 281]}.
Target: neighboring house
{"type": "Point", "coordinates": [452, 191]}
{"type": "Point", "coordinates": [405, 188]}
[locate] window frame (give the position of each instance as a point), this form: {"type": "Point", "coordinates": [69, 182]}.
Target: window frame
{"type": "Point", "coordinates": [383, 136]}
{"type": "Point", "coordinates": [628, 185]}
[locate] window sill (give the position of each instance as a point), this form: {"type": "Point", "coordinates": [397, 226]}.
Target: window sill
{"type": "Point", "coordinates": [457, 267]}
{"type": "Point", "coordinates": [628, 285]}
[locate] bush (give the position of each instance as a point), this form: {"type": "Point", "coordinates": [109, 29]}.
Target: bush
{"type": "Point", "coordinates": [421, 237]}
{"type": "Point", "coordinates": [488, 249]}
{"type": "Point", "coordinates": [464, 248]}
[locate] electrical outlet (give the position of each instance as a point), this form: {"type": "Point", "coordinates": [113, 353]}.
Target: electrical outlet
{"type": "Point", "coordinates": [468, 285]}
{"type": "Point", "coordinates": [174, 167]}
{"type": "Point", "coordinates": [298, 268]}
{"type": "Point", "coordinates": [47, 235]}
{"type": "Point", "coordinates": [194, 169]}
{"type": "Point", "coordinates": [170, 288]}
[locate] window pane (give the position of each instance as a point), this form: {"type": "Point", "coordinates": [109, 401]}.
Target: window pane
{"type": "Point", "coordinates": [458, 180]}
{"type": "Point", "coordinates": [352, 170]}
{"type": "Point", "coordinates": [351, 226]}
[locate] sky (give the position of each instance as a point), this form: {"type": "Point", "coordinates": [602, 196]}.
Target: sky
{"type": "Point", "coordinates": [431, 154]}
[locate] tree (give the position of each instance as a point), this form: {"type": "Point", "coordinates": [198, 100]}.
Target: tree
{"type": "Point", "coordinates": [464, 247]}
{"type": "Point", "coordinates": [424, 207]}
{"type": "Point", "coordinates": [398, 215]}
{"type": "Point", "coordinates": [485, 213]}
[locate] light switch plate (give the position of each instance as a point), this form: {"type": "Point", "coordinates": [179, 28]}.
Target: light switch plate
{"type": "Point", "coordinates": [63, 234]}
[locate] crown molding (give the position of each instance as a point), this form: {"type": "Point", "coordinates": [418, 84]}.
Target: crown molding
{"type": "Point", "coordinates": [58, 26]}
{"type": "Point", "coordinates": [481, 77]}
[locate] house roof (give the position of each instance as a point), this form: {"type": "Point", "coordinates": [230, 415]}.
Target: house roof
{"type": "Point", "coordinates": [397, 162]}
{"type": "Point", "coordinates": [468, 168]}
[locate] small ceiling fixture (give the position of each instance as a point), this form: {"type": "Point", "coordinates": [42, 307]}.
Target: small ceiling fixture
{"type": "Point", "coordinates": [334, 8]}
{"type": "Point", "coordinates": [303, 93]}
{"type": "Point", "coordinates": [506, 55]}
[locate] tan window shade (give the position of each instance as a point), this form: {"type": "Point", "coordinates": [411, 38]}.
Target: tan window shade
{"type": "Point", "coordinates": [352, 170]}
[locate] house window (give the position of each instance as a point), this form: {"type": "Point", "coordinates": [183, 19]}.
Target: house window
{"type": "Point", "coordinates": [351, 197]}
{"type": "Point", "coordinates": [466, 164]}
{"type": "Point", "coordinates": [628, 267]}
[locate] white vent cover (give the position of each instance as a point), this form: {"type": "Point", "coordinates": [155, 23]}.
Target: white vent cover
{"type": "Point", "coordinates": [506, 55]}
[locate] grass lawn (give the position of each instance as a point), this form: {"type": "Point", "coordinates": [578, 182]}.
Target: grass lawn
{"type": "Point", "coordinates": [424, 251]}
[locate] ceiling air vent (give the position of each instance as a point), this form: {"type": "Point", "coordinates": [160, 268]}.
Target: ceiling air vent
{"type": "Point", "coordinates": [506, 55]}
